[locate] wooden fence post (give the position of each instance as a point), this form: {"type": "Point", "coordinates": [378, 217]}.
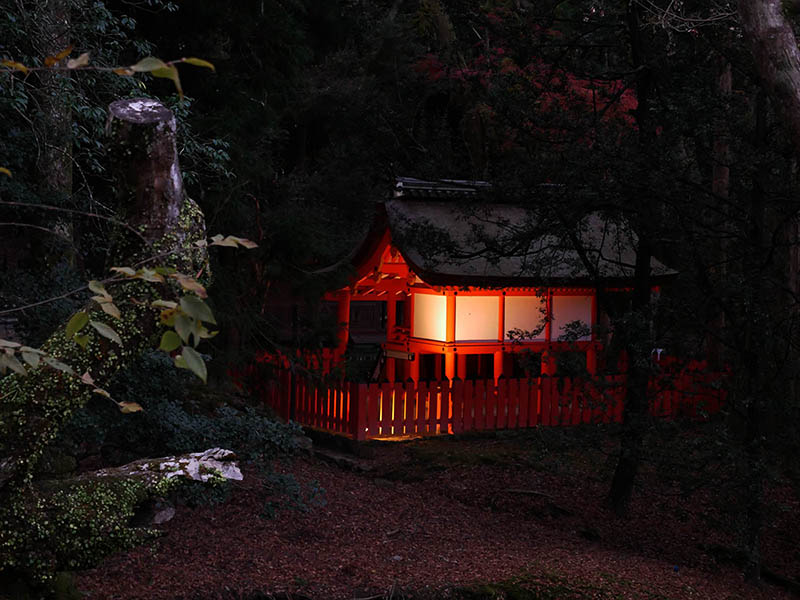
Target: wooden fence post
{"type": "Point", "coordinates": [357, 393]}
{"type": "Point", "coordinates": [457, 401]}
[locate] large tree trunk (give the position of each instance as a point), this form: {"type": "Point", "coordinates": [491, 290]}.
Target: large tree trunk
{"type": "Point", "coordinates": [754, 352]}
{"type": "Point", "coordinates": [34, 407]}
{"type": "Point", "coordinates": [720, 188]}
{"type": "Point", "coordinates": [777, 57]}
{"type": "Point", "coordinates": [635, 414]}
{"type": "Point", "coordinates": [635, 327]}
{"type": "Point", "coordinates": [777, 62]}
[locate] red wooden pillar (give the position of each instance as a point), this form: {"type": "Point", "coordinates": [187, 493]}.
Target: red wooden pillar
{"type": "Point", "coordinates": [391, 323]}
{"type": "Point", "coordinates": [450, 364]}
{"type": "Point", "coordinates": [548, 362]}
{"type": "Point", "coordinates": [462, 365]}
{"type": "Point", "coordinates": [499, 360]}
{"type": "Point", "coordinates": [591, 360]}
{"type": "Point", "coordinates": [499, 355]}
{"type": "Point", "coordinates": [548, 359]}
{"type": "Point", "coordinates": [591, 352]}
{"type": "Point", "coordinates": [413, 367]}
{"type": "Point", "coordinates": [343, 319]}
{"type": "Point", "coordinates": [501, 318]}
{"type": "Point", "coordinates": [450, 337]}
{"type": "Point", "coordinates": [391, 316]}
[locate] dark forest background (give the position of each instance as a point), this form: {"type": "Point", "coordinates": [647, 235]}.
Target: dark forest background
{"type": "Point", "coordinates": [657, 117]}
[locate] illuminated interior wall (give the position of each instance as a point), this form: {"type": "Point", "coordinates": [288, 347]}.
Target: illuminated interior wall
{"type": "Point", "coordinates": [430, 317]}
{"type": "Point", "coordinates": [570, 308]}
{"type": "Point", "coordinates": [477, 317]}
{"type": "Point", "coordinates": [526, 313]}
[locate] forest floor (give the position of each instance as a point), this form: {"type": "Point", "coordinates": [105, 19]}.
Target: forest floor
{"type": "Point", "coordinates": [512, 515]}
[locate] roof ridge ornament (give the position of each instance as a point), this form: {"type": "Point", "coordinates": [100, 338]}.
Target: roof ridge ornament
{"type": "Point", "coordinates": [439, 188]}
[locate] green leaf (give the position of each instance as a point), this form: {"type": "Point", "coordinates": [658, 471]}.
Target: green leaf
{"type": "Point", "coordinates": [8, 344]}
{"type": "Point", "coordinates": [184, 327]}
{"type": "Point", "coordinates": [81, 61]}
{"type": "Point", "coordinates": [58, 365]}
{"type": "Point", "coordinates": [195, 307]}
{"type": "Point", "coordinates": [206, 334]}
{"type": "Point", "coordinates": [148, 64]}
{"type": "Point", "coordinates": [194, 362]}
{"type": "Point", "coordinates": [244, 242]}
{"type": "Point", "coordinates": [169, 341]}
{"type": "Point", "coordinates": [31, 350]}
{"type": "Point", "coordinates": [219, 240]}
{"type": "Point", "coordinates": [191, 285]}
{"type": "Point", "coordinates": [10, 361]}
{"type": "Point", "coordinates": [198, 62]}
{"type": "Point", "coordinates": [102, 392]}
{"type": "Point", "coordinates": [52, 60]}
{"type": "Point", "coordinates": [76, 323]}
{"type": "Point", "coordinates": [82, 340]}
{"type": "Point", "coordinates": [151, 275]}
{"type": "Point", "coordinates": [169, 72]}
{"type": "Point", "coordinates": [233, 242]}
{"type": "Point", "coordinates": [129, 407]}
{"type": "Point", "coordinates": [15, 66]}
{"type": "Point", "coordinates": [167, 317]}
{"type": "Point", "coordinates": [31, 358]}
{"type": "Point", "coordinates": [111, 309]}
{"type": "Point", "coordinates": [98, 288]}
{"type": "Point", "coordinates": [124, 271]}
{"type": "Point", "coordinates": [106, 331]}
{"type": "Point", "coordinates": [163, 304]}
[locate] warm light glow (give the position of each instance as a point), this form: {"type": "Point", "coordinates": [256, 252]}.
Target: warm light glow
{"type": "Point", "coordinates": [526, 313]}
{"type": "Point", "coordinates": [571, 308]}
{"type": "Point", "coordinates": [430, 317]}
{"type": "Point", "coordinates": [477, 317]}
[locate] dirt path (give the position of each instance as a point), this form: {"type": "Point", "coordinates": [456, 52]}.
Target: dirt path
{"type": "Point", "coordinates": [427, 517]}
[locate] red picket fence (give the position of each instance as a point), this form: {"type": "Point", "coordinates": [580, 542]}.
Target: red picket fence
{"type": "Point", "coordinates": [407, 408]}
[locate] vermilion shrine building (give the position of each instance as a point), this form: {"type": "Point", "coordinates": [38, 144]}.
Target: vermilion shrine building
{"type": "Point", "coordinates": [439, 282]}
{"type": "Point", "coordinates": [451, 275]}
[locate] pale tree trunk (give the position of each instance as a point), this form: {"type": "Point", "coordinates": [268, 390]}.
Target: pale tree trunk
{"type": "Point", "coordinates": [777, 63]}
{"type": "Point", "coordinates": [33, 408]}
{"type": "Point", "coordinates": [777, 58]}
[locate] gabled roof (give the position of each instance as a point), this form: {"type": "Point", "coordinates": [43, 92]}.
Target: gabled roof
{"type": "Point", "coordinates": [492, 245]}
{"type": "Point", "coordinates": [466, 240]}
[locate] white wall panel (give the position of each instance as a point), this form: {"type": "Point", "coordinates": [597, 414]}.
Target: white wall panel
{"type": "Point", "coordinates": [430, 317]}
{"type": "Point", "coordinates": [526, 313]}
{"type": "Point", "coordinates": [570, 308]}
{"type": "Point", "coordinates": [477, 317]}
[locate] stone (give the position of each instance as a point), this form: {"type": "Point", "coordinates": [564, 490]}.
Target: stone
{"type": "Point", "coordinates": [163, 515]}
{"type": "Point", "coordinates": [304, 444]}
{"type": "Point", "coordinates": [197, 466]}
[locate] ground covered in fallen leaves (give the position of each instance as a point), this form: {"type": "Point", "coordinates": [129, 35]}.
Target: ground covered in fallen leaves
{"type": "Point", "coordinates": [515, 515]}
